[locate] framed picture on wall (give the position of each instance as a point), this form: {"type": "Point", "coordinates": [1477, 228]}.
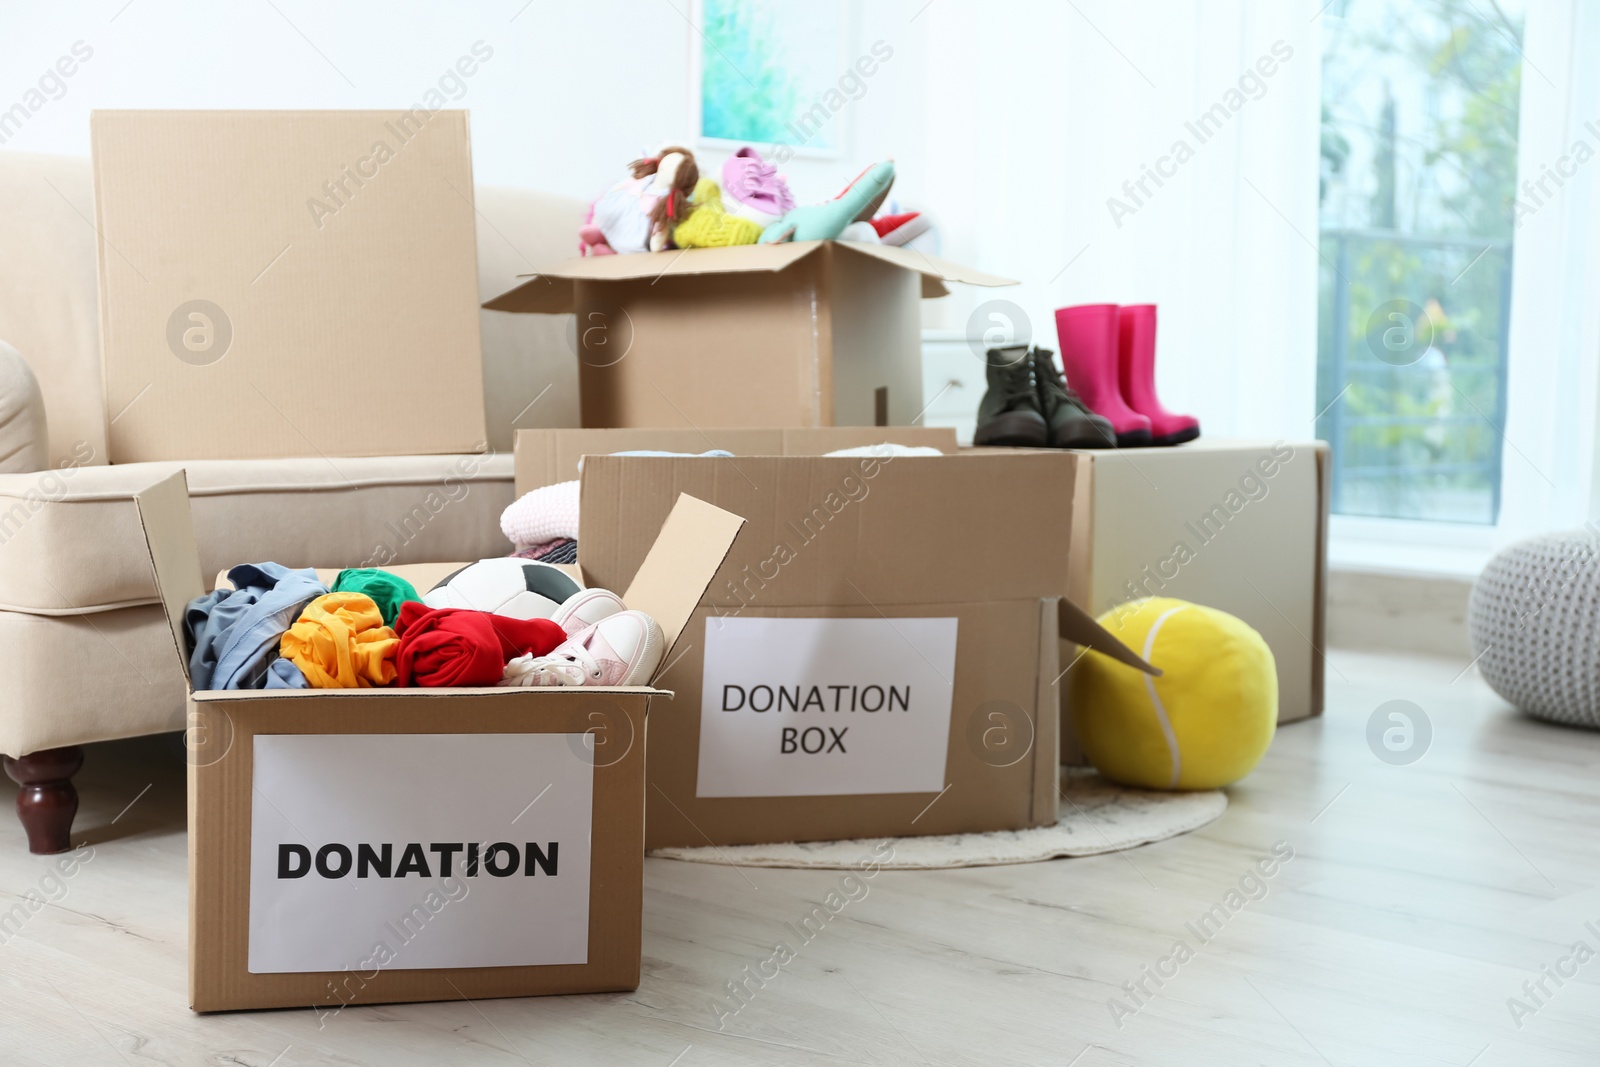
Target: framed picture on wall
{"type": "Point", "coordinates": [766, 72]}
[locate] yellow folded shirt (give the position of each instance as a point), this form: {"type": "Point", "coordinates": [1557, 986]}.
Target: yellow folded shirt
{"type": "Point", "coordinates": [340, 642]}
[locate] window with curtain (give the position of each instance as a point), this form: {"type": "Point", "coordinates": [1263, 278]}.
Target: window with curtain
{"type": "Point", "coordinates": [1418, 178]}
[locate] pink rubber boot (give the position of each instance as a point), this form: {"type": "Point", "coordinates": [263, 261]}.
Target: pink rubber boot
{"type": "Point", "coordinates": [1136, 374]}
{"type": "Point", "coordinates": [1088, 336]}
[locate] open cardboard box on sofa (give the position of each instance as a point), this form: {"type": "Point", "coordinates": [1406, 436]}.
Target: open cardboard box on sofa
{"type": "Point", "coordinates": [360, 846]}
{"type": "Point", "coordinates": [801, 334]}
{"type": "Point", "coordinates": [878, 655]}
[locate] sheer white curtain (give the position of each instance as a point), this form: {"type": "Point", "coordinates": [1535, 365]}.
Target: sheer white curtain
{"type": "Point", "coordinates": [1550, 476]}
{"type": "Point", "coordinates": [1549, 467]}
{"type": "Point", "coordinates": [1133, 153]}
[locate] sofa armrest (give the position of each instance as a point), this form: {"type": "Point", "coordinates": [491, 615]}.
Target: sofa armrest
{"type": "Point", "coordinates": [24, 433]}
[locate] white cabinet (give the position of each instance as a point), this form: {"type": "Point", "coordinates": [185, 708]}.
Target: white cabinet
{"type": "Point", "coordinates": [952, 382]}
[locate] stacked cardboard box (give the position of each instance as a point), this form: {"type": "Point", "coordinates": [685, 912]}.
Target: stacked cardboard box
{"type": "Point", "coordinates": [1236, 525]}
{"type": "Point", "coordinates": [878, 654]}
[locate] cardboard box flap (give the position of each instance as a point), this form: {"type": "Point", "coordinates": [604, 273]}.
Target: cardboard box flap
{"type": "Point", "coordinates": [679, 567]}
{"type": "Point", "coordinates": [232, 279]}
{"type": "Point", "coordinates": [546, 456]}
{"type": "Point", "coordinates": [1079, 627]}
{"type": "Point", "coordinates": [174, 555]}
{"type": "Point", "coordinates": [730, 260]}
{"type": "Point", "coordinates": [553, 290]}
{"type": "Point", "coordinates": [928, 266]}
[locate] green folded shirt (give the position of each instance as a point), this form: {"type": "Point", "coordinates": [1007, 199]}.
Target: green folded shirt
{"type": "Point", "coordinates": [387, 590]}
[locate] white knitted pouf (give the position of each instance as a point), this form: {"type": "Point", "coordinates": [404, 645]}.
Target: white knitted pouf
{"type": "Point", "coordinates": [1534, 618]}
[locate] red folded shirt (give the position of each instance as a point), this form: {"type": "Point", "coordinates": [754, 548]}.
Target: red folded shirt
{"type": "Point", "coordinates": [457, 646]}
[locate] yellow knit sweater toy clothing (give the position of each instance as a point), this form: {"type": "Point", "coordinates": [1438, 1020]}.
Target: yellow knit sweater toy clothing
{"type": "Point", "coordinates": [709, 226]}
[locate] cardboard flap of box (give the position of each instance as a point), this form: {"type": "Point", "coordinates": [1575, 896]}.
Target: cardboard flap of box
{"type": "Point", "coordinates": [1079, 627]}
{"type": "Point", "coordinates": [249, 289]}
{"type": "Point", "coordinates": [174, 554]}
{"type": "Point", "coordinates": [544, 457]}
{"type": "Point", "coordinates": [554, 290]}
{"type": "Point", "coordinates": [680, 565]}
{"type": "Point", "coordinates": [935, 271]}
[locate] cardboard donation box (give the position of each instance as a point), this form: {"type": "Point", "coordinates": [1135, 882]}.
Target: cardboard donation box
{"type": "Point", "coordinates": [1240, 526]}
{"type": "Point", "coordinates": [812, 333]}
{"type": "Point", "coordinates": [877, 656]}
{"type": "Point", "coordinates": [362, 846]}
{"type": "Point", "coordinates": [258, 269]}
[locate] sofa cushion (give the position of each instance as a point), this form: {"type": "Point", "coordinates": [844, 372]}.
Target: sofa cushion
{"type": "Point", "coordinates": [70, 540]}
{"type": "Point", "coordinates": [87, 678]}
{"type": "Point", "coordinates": [48, 305]}
{"type": "Point", "coordinates": [530, 362]}
{"type": "Point", "coordinates": [24, 440]}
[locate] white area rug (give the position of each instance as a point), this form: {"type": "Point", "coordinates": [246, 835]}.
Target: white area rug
{"type": "Point", "coordinates": [1096, 817]}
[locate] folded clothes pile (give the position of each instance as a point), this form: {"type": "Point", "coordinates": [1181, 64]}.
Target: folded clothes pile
{"type": "Point", "coordinates": [499, 621]}
{"type": "Point", "coordinates": [543, 519]}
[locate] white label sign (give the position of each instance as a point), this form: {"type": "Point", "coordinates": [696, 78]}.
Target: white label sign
{"type": "Point", "coordinates": [402, 851]}
{"type": "Point", "coordinates": [825, 707]}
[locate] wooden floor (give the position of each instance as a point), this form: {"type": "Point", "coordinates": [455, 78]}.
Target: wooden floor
{"type": "Point", "coordinates": [1418, 901]}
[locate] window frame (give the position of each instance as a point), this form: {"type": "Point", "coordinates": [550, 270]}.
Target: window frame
{"type": "Point", "coordinates": [1548, 455]}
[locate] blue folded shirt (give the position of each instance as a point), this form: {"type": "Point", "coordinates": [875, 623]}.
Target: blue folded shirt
{"type": "Point", "coordinates": [233, 633]}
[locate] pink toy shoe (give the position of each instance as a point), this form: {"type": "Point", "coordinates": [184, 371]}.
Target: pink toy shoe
{"type": "Point", "coordinates": [1088, 336]}
{"type": "Point", "coordinates": [1136, 376]}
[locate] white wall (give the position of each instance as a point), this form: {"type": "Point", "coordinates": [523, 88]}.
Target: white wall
{"type": "Point", "coordinates": [574, 90]}
{"type": "Point", "coordinates": [1049, 108]}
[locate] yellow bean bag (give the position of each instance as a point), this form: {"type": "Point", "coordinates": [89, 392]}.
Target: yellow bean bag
{"type": "Point", "coordinates": [1205, 722]}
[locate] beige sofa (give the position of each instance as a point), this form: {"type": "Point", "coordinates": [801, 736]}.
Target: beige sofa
{"type": "Point", "coordinates": [84, 652]}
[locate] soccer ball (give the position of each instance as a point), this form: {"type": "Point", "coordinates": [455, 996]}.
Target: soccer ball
{"type": "Point", "coordinates": [519, 588]}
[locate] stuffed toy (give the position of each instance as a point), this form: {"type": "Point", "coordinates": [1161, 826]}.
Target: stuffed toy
{"type": "Point", "coordinates": [710, 225]}
{"type": "Point", "coordinates": [826, 221]}
{"type": "Point", "coordinates": [591, 239]}
{"type": "Point", "coordinates": [1204, 722]}
{"type": "Point", "coordinates": [638, 213]}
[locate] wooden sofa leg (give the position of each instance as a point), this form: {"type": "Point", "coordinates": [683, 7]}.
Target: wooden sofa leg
{"type": "Point", "coordinates": [48, 800]}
